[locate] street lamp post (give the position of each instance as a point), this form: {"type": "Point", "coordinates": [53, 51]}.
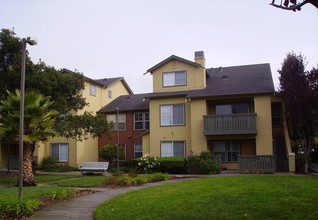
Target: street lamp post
{"type": "Point", "coordinates": [117, 120]}
{"type": "Point", "coordinates": [25, 41]}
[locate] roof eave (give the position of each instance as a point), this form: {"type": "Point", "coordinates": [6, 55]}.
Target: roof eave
{"type": "Point", "coordinates": [173, 57]}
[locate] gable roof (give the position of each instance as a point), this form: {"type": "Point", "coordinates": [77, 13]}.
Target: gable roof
{"type": "Point", "coordinates": [225, 81]}
{"type": "Point", "coordinates": [106, 82]}
{"type": "Point", "coordinates": [127, 103]}
{"type": "Point", "coordinates": [173, 57]}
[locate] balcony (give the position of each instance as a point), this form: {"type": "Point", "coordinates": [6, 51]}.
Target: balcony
{"type": "Point", "coordinates": [230, 124]}
{"type": "Point", "coordinates": [256, 164]}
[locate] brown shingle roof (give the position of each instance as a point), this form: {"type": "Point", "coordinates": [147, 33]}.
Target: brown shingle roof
{"type": "Point", "coordinates": [237, 80]}
{"type": "Point", "coordinates": [224, 81]}
{"type": "Point", "coordinates": [127, 103]}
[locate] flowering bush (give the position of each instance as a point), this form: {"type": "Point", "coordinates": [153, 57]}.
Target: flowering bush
{"type": "Point", "coordinates": [148, 163]}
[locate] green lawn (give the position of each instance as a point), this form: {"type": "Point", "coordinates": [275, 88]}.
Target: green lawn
{"type": "Point", "coordinates": [38, 179]}
{"type": "Point", "coordinates": [232, 197]}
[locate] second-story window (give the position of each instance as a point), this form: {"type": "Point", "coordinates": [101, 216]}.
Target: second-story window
{"type": "Point", "coordinates": [141, 121]}
{"type": "Point", "coordinates": [174, 78]}
{"type": "Point", "coordinates": [171, 115]}
{"type": "Point", "coordinates": [110, 94]}
{"type": "Point", "coordinates": [121, 121]}
{"type": "Point", "coordinates": [92, 89]}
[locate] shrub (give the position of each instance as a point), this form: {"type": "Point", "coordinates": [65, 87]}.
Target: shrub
{"type": "Point", "coordinates": [51, 165]}
{"type": "Point", "coordinates": [206, 163]}
{"type": "Point", "coordinates": [47, 164]}
{"type": "Point", "coordinates": [13, 208]}
{"type": "Point", "coordinates": [172, 165]}
{"type": "Point", "coordinates": [109, 152]}
{"type": "Point", "coordinates": [156, 177]}
{"type": "Point", "coordinates": [125, 181]}
{"type": "Point", "coordinates": [139, 180]}
{"type": "Point", "coordinates": [62, 193]}
{"type": "Point", "coordinates": [148, 164]}
{"type": "Point", "coordinates": [300, 162]}
{"type": "Point", "coordinates": [197, 166]}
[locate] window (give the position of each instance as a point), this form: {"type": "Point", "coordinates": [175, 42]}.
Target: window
{"type": "Point", "coordinates": [174, 79]}
{"type": "Point", "coordinates": [121, 121]}
{"type": "Point", "coordinates": [173, 149]}
{"type": "Point", "coordinates": [236, 108]}
{"type": "Point", "coordinates": [59, 152]}
{"type": "Point", "coordinates": [137, 150]}
{"type": "Point", "coordinates": [123, 147]}
{"type": "Point", "coordinates": [110, 94]}
{"type": "Point", "coordinates": [172, 115]}
{"type": "Point", "coordinates": [228, 150]}
{"type": "Point", "coordinates": [92, 89]}
{"type": "Point", "coordinates": [141, 121]}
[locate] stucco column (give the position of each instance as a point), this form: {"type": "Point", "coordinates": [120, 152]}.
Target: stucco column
{"type": "Point", "coordinates": [264, 137]}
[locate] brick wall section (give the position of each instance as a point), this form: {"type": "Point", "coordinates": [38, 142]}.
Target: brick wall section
{"type": "Point", "coordinates": [130, 137]}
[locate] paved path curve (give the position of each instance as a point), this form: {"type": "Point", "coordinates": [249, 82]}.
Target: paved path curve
{"type": "Point", "coordinates": [82, 208]}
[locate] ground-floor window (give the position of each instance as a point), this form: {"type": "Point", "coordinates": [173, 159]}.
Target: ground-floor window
{"type": "Point", "coordinates": [138, 150]}
{"type": "Point", "coordinates": [59, 152]}
{"type": "Point", "coordinates": [228, 150]}
{"type": "Point", "coordinates": [172, 149]}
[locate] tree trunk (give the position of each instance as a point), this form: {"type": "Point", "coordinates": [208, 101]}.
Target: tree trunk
{"type": "Point", "coordinates": [28, 177]}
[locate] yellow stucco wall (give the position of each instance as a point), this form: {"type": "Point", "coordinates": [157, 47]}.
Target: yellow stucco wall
{"type": "Point", "coordinates": [167, 133]}
{"type": "Point", "coordinates": [195, 76]}
{"type": "Point", "coordinates": [146, 144]}
{"type": "Point", "coordinates": [43, 149]}
{"type": "Point", "coordinates": [198, 139]}
{"type": "Point", "coordinates": [264, 139]}
{"type": "Point", "coordinates": [85, 150]}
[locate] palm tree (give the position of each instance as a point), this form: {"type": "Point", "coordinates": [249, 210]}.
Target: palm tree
{"type": "Point", "coordinates": [38, 125]}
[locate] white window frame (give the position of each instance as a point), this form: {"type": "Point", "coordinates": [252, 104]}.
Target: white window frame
{"type": "Point", "coordinates": [137, 149]}
{"type": "Point", "coordinates": [171, 78]}
{"type": "Point", "coordinates": [167, 148]}
{"type": "Point", "coordinates": [92, 89]}
{"type": "Point", "coordinates": [60, 145]}
{"type": "Point", "coordinates": [168, 114]}
{"type": "Point", "coordinates": [111, 118]}
{"type": "Point", "coordinates": [144, 120]}
{"type": "Point", "coordinates": [110, 94]}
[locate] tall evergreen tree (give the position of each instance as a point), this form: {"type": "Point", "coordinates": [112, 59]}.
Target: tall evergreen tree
{"type": "Point", "coordinates": [299, 88]}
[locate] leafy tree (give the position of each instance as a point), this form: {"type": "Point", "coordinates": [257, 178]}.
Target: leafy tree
{"type": "Point", "coordinates": [38, 125]}
{"type": "Point", "coordinates": [300, 91]}
{"type": "Point", "coordinates": [293, 5]}
{"type": "Point", "coordinates": [109, 153]}
{"type": "Point", "coordinates": [83, 126]}
{"type": "Point", "coordinates": [63, 88]}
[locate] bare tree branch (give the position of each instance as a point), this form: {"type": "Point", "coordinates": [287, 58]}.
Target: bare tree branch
{"type": "Point", "coordinates": [294, 5]}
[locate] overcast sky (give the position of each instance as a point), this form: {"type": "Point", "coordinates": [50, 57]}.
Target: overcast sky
{"type": "Point", "coordinates": [103, 38]}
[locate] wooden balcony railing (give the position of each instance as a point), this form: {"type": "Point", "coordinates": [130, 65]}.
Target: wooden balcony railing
{"type": "Point", "coordinates": [256, 164]}
{"type": "Point", "coordinates": [230, 124]}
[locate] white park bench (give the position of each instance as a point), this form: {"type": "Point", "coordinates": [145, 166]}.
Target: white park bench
{"type": "Point", "coordinates": [93, 167]}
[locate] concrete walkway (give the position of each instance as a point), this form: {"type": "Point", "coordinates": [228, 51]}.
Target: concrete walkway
{"type": "Point", "coordinates": [82, 208]}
